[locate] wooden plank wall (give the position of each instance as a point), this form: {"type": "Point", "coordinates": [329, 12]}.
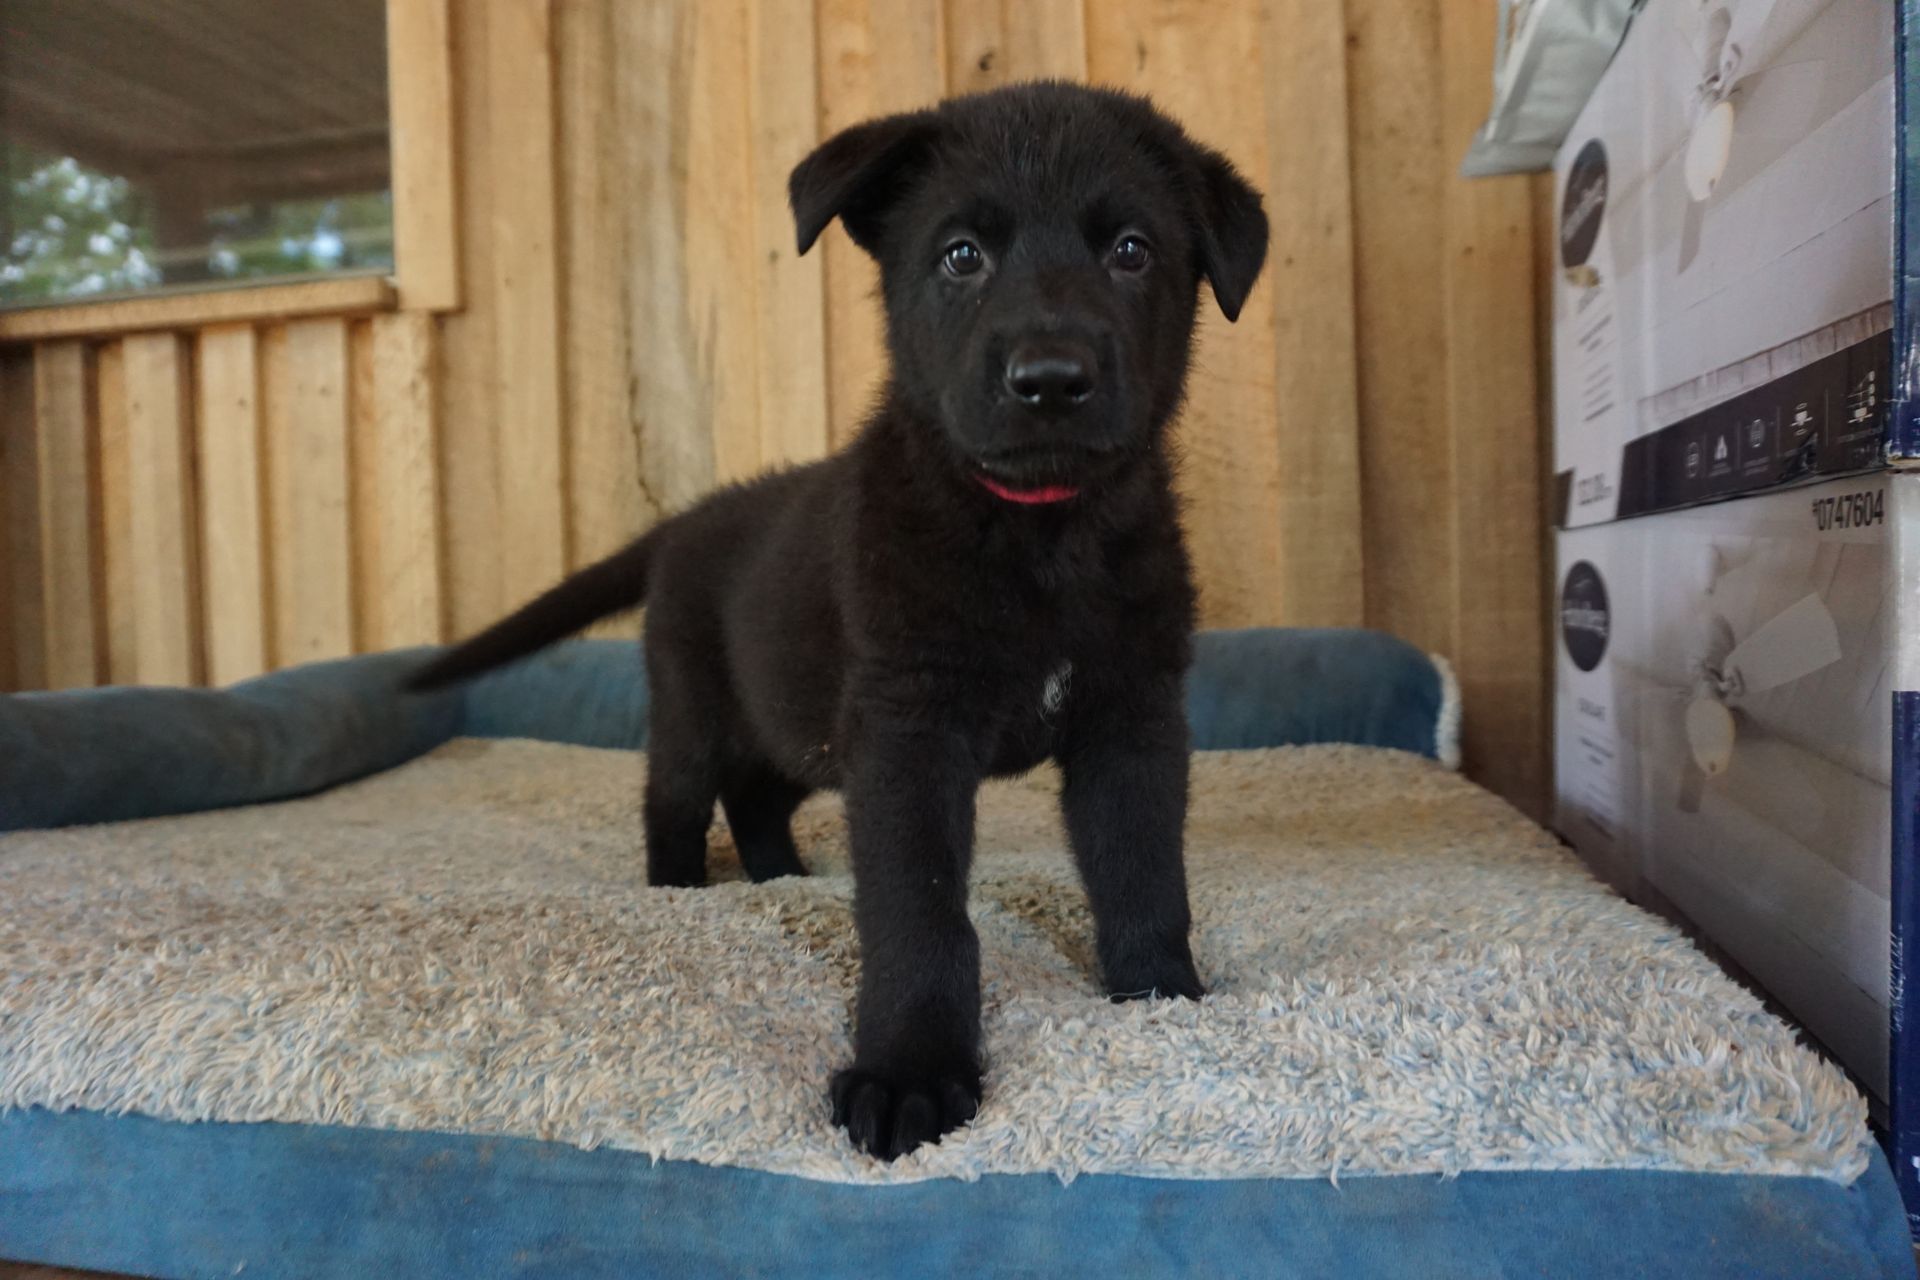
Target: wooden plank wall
{"type": "Point", "coordinates": [633, 327]}
{"type": "Point", "coordinates": [203, 507]}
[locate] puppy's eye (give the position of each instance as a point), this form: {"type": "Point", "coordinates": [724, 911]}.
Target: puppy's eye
{"type": "Point", "coordinates": [963, 258]}
{"type": "Point", "coordinates": [1131, 254]}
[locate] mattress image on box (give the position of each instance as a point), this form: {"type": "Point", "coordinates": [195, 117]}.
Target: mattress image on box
{"type": "Point", "coordinates": [1742, 715]}
{"type": "Point", "coordinates": [1722, 319]}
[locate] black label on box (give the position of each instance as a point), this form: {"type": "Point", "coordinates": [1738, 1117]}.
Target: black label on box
{"type": "Point", "coordinates": [1586, 620]}
{"type": "Point", "coordinates": [1828, 418]}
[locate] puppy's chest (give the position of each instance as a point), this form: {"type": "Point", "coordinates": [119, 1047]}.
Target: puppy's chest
{"type": "Point", "coordinates": [1054, 690]}
{"type": "Point", "coordinates": [1043, 694]}
{"type": "Point", "coordinates": [1030, 717]}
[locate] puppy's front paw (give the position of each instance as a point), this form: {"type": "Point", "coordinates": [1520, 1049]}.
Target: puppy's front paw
{"type": "Point", "coordinates": [888, 1115]}
{"type": "Point", "coordinates": [1169, 975]}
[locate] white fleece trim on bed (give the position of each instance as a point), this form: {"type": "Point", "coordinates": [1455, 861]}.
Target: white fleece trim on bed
{"type": "Point", "coordinates": [1446, 725]}
{"type": "Point", "coordinates": [1406, 977]}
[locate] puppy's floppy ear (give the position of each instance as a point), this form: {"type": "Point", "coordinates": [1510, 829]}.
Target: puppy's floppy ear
{"type": "Point", "coordinates": [856, 175]}
{"type": "Point", "coordinates": [1233, 232]}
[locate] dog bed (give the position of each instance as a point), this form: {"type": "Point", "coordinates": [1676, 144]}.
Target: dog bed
{"type": "Point", "coordinates": [433, 1019]}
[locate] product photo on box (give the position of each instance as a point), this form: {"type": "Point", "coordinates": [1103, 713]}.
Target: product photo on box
{"type": "Point", "coordinates": [1723, 308]}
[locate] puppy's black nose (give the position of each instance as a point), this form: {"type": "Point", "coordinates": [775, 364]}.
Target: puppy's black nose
{"type": "Point", "coordinates": [1052, 374]}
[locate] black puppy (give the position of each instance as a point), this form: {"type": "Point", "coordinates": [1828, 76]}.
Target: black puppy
{"type": "Point", "coordinates": [990, 575]}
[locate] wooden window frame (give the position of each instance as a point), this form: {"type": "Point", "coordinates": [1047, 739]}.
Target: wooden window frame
{"type": "Point", "coordinates": [420, 113]}
{"type": "Point", "coordinates": [426, 246]}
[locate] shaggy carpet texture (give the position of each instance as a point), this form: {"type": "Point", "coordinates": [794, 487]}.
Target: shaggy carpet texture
{"type": "Point", "coordinates": [1406, 977]}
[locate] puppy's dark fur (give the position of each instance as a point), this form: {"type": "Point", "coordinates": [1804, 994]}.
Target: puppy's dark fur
{"type": "Point", "coordinates": [990, 575]}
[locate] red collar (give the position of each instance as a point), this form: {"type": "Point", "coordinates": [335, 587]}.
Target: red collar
{"type": "Point", "coordinates": [1041, 496]}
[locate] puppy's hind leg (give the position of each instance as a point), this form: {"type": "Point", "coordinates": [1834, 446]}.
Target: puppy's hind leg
{"type": "Point", "coordinates": [679, 809]}
{"type": "Point", "coordinates": [683, 780]}
{"type": "Point", "coordinates": [759, 804]}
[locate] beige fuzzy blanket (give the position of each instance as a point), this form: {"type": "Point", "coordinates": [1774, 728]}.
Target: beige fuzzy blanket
{"type": "Point", "coordinates": [1407, 977]}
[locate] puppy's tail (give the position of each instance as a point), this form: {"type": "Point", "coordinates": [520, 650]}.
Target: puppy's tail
{"type": "Point", "coordinates": [607, 587]}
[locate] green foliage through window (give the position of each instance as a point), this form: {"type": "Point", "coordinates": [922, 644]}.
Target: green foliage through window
{"type": "Point", "coordinates": [68, 231]}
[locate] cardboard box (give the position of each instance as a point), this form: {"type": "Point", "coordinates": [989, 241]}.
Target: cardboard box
{"type": "Point", "coordinates": [1722, 314]}
{"type": "Point", "coordinates": [1724, 689]}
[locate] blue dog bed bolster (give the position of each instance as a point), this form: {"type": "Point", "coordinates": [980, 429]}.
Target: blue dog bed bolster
{"type": "Point", "coordinates": [1271, 686]}
{"type": "Point", "coordinates": [1257, 687]}
{"type": "Point", "coordinates": [105, 755]}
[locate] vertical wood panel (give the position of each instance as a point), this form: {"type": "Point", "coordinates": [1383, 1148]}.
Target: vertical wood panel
{"type": "Point", "coordinates": [1546, 263]}
{"type": "Point", "coordinates": [363, 478]}
{"type": "Point", "coordinates": [305, 383]}
{"type": "Point", "coordinates": [791, 311]}
{"type": "Point", "coordinates": [994, 42]}
{"type": "Point", "coordinates": [877, 57]}
{"type": "Point", "coordinates": [19, 480]}
{"type": "Point", "coordinates": [426, 222]}
{"type": "Point", "coordinates": [908, 65]}
{"type": "Point", "coordinates": [975, 46]}
{"type": "Point", "coordinates": [396, 525]}
{"type": "Point", "coordinates": [68, 472]}
{"type": "Point", "coordinates": [1310, 265]}
{"type": "Point", "coordinates": [1210, 74]}
{"type": "Point", "coordinates": [231, 519]}
{"type": "Point", "coordinates": [116, 515]}
{"type": "Point", "coordinates": [1491, 402]}
{"type": "Point", "coordinates": [526, 297]}
{"type": "Point", "coordinates": [470, 370]}
{"type": "Point", "coordinates": [1044, 39]}
{"type": "Point", "coordinates": [672, 403]}
{"type": "Point", "coordinates": [607, 499]}
{"type": "Point", "coordinates": [692, 278]}
{"type": "Point", "coordinates": [166, 552]}
{"type": "Point", "coordinates": [723, 294]}
{"type": "Point", "coordinates": [1406, 445]}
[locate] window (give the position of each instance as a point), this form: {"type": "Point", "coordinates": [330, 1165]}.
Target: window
{"type": "Point", "coordinates": [181, 144]}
